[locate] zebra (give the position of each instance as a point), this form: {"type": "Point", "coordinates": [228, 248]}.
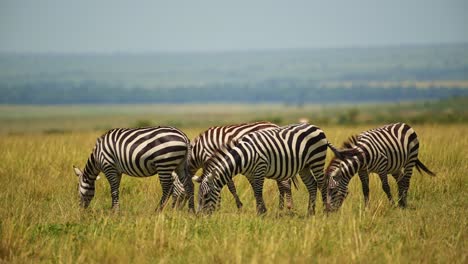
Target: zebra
{"type": "Point", "coordinates": [137, 152]}
{"type": "Point", "coordinates": [390, 149]}
{"type": "Point", "coordinates": [217, 138]}
{"type": "Point", "coordinates": [278, 153]}
{"type": "Point", "coordinates": [363, 174]}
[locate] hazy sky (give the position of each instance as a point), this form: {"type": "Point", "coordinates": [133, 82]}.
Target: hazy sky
{"type": "Point", "coordinates": [217, 25]}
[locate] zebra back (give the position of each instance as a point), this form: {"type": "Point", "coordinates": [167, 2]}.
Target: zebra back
{"type": "Point", "coordinates": [287, 148]}
{"type": "Point", "coordinates": [218, 138]}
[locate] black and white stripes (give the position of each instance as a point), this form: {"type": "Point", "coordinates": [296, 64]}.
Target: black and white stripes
{"type": "Point", "coordinates": [278, 154]}
{"type": "Point", "coordinates": [218, 138]}
{"type": "Point", "coordinates": [137, 152]}
{"type": "Point", "coordinates": [391, 149]}
{"type": "Point", "coordinates": [363, 173]}
{"type": "Point", "coordinates": [258, 151]}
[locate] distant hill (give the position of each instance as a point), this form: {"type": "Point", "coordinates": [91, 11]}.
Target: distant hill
{"type": "Point", "coordinates": [288, 76]}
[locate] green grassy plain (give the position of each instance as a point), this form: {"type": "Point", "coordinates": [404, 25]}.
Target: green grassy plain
{"type": "Point", "coordinates": [58, 119]}
{"type": "Point", "coordinates": [40, 220]}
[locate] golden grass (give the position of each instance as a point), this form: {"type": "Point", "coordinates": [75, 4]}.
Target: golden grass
{"type": "Point", "coordinates": [42, 222]}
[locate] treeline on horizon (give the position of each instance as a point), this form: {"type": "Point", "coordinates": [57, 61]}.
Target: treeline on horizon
{"type": "Point", "coordinates": [298, 76]}
{"type": "Point", "coordinates": [271, 91]}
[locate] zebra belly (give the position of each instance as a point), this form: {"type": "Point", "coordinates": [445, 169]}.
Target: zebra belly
{"type": "Point", "coordinates": [278, 175]}
{"type": "Point", "coordinates": [148, 168]}
{"type": "Point", "coordinates": [393, 164]}
{"type": "Point", "coordinates": [148, 173]}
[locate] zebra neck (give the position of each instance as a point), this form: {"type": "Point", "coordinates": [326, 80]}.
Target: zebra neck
{"type": "Point", "coordinates": [198, 155]}
{"type": "Point", "coordinates": [350, 168]}
{"type": "Point", "coordinates": [228, 165]}
{"type": "Point", "coordinates": [227, 172]}
{"type": "Point", "coordinates": [91, 170]}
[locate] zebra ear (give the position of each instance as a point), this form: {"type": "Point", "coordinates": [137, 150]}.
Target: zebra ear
{"type": "Point", "coordinates": [78, 172]}
{"type": "Point", "coordinates": [197, 179]}
{"type": "Point", "coordinates": [211, 177]}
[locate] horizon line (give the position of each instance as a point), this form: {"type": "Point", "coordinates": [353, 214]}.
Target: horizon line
{"type": "Point", "coordinates": [227, 51]}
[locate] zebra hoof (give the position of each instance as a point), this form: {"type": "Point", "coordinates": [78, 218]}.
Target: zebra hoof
{"type": "Point", "coordinates": [261, 211]}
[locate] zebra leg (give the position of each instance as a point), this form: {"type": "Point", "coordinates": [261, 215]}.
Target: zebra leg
{"type": "Point", "coordinates": [257, 186]}
{"type": "Point", "coordinates": [284, 188]}
{"type": "Point", "coordinates": [319, 176]}
{"type": "Point", "coordinates": [311, 185]}
{"type": "Point", "coordinates": [179, 196]}
{"type": "Point", "coordinates": [178, 200]}
{"type": "Point", "coordinates": [385, 186]}
{"type": "Point", "coordinates": [167, 189]}
{"type": "Point", "coordinates": [232, 189]}
{"type": "Point", "coordinates": [403, 186]}
{"type": "Point", "coordinates": [174, 200]}
{"type": "Point", "coordinates": [186, 179]}
{"type": "Point", "coordinates": [114, 181]}
{"type": "Point", "coordinates": [288, 192]}
{"type": "Point", "coordinates": [364, 177]}
{"type": "Point", "coordinates": [281, 191]}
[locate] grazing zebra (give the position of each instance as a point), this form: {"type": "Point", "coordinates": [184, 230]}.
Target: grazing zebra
{"type": "Point", "coordinates": [138, 152]}
{"type": "Point", "coordinates": [391, 149]}
{"type": "Point", "coordinates": [217, 138]}
{"type": "Point", "coordinates": [363, 174]}
{"type": "Point", "coordinates": [278, 154]}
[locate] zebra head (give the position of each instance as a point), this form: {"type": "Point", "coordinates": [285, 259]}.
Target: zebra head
{"type": "Point", "coordinates": [85, 188]}
{"type": "Point", "coordinates": [337, 189]}
{"type": "Point", "coordinates": [339, 172]}
{"type": "Point", "coordinates": [208, 195]}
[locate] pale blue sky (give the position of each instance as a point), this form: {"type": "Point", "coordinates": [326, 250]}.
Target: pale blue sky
{"type": "Point", "coordinates": [216, 25]}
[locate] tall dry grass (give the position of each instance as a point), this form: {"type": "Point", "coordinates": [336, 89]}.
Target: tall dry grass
{"type": "Point", "coordinates": [40, 220]}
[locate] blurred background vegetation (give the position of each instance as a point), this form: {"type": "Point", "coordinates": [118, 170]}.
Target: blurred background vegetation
{"type": "Point", "coordinates": [296, 76]}
{"type": "Point", "coordinates": [16, 119]}
{"type": "Point", "coordinates": [56, 93]}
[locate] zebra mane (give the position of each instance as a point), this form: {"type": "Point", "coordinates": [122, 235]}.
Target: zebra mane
{"type": "Point", "coordinates": [350, 149]}
{"type": "Point", "coordinates": [351, 142]}
{"type": "Point", "coordinates": [219, 154]}
{"type": "Point", "coordinates": [343, 155]}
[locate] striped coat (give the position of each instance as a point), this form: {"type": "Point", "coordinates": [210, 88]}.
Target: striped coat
{"type": "Point", "coordinates": [277, 154]}
{"type": "Point", "coordinates": [218, 138]}
{"type": "Point", "coordinates": [391, 149]}
{"type": "Point", "coordinates": [137, 152]}
{"type": "Point", "coordinates": [363, 174]}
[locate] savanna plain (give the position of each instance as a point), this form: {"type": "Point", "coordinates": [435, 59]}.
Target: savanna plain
{"type": "Point", "coordinates": [41, 221]}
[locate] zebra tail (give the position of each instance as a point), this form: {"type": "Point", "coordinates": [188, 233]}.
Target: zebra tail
{"type": "Point", "coordinates": [420, 166]}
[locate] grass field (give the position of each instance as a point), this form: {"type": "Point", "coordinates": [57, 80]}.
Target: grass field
{"type": "Point", "coordinates": [40, 220]}
{"type": "Point", "coordinates": [57, 119]}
